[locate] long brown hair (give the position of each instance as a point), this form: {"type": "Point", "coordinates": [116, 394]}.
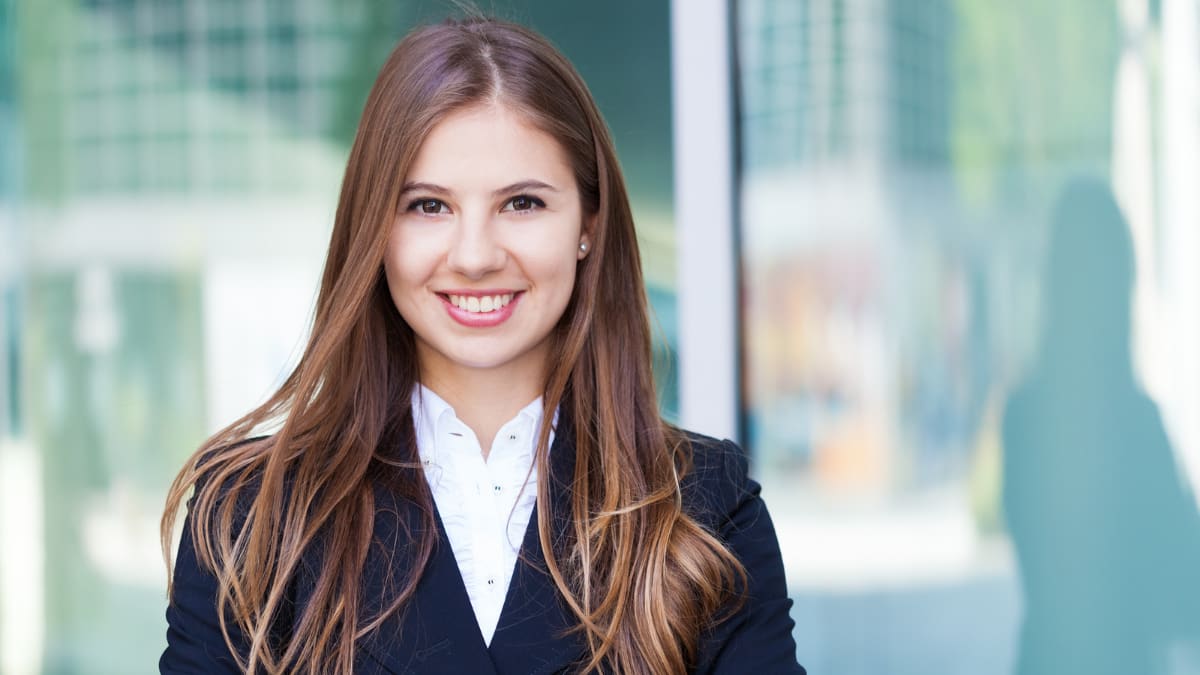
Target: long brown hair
{"type": "Point", "coordinates": [642, 577]}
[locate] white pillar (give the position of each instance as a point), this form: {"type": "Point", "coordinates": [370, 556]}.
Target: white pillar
{"type": "Point", "coordinates": [1133, 182]}
{"type": "Point", "coordinates": [1181, 224]}
{"type": "Point", "coordinates": [22, 541]}
{"type": "Point", "coordinates": [707, 284]}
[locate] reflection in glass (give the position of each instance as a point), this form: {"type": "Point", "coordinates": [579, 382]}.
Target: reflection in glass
{"type": "Point", "coordinates": [1106, 531]}
{"type": "Point", "coordinates": [900, 162]}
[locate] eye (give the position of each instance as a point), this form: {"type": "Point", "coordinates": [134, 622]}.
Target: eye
{"type": "Point", "coordinates": [523, 203]}
{"type": "Point", "coordinates": [428, 207]}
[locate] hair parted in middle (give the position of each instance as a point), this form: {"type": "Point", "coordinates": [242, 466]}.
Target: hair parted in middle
{"type": "Point", "coordinates": [642, 577]}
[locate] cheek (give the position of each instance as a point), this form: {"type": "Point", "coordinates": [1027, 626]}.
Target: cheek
{"type": "Point", "coordinates": [406, 269]}
{"type": "Point", "coordinates": [559, 271]}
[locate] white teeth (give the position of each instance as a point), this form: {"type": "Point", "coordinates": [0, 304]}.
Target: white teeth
{"type": "Point", "coordinates": [481, 304]}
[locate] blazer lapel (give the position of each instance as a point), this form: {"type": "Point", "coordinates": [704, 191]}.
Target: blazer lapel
{"type": "Point", "coordinates": [532, 635]}
{"type": "Point", "coordinates": [436, 631]}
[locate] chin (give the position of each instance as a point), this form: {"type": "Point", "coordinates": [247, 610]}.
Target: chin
{"type": "Point", "coordinates": [481, 362]}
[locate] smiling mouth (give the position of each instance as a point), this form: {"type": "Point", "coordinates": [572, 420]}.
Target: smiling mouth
{"type": "Point", "coordinates": [479, 304]}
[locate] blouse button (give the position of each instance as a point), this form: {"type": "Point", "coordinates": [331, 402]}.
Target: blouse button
{"type": "Point", "coordinates": [496, 488]}
{"type": "Point", "coordinates": [491, 582]}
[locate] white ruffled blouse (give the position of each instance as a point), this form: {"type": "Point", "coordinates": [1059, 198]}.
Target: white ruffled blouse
{"type": "Point", "coordinates": [485, 506]}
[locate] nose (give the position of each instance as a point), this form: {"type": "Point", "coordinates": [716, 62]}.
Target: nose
{"type": "Point", "coordinates": [475, 251]}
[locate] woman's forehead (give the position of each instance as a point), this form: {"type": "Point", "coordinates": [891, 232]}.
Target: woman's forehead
{"type": "Point", "coordinates": [486, 146]}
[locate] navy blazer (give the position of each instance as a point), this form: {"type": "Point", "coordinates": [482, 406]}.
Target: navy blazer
{"type": "Point", "coordinates": [437, 631]}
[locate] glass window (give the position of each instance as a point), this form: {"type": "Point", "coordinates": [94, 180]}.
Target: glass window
{"type": "Point", "coordinates": [168, 180]}
{"type": "Point", "coordinates": [970, 328]}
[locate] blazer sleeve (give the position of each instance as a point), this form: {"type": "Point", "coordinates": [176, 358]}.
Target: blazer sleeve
{"type": "Point", "coordinates": [758, 637]}
{"type": "Point", "coordinates": [195, 643]}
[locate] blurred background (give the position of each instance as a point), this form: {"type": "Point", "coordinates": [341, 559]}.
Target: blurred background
{"type": "Point", "coordinates": [965, 276]}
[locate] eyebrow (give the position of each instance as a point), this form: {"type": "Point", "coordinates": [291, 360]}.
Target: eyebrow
{"type": "Point", "coordinates": [519, 186]}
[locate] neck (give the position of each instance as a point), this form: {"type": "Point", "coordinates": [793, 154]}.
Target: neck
{"type": "Point", "coordinates": [484, 399]}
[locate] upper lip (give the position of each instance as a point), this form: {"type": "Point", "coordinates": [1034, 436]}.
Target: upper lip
{"type": "Point", "coordinates": [478, 293]}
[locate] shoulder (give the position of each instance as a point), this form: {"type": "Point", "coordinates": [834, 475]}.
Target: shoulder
{"type": "Point", "coordinates": [719, 494]}
{"type": "Point", "coordinates": [716, 479]}
{"type": "Point", "coordinates": [200, 638]}
{"type": "Point", "coordinates": [224, 481]}
{"type": "Point", "coordinates": [219, 468]}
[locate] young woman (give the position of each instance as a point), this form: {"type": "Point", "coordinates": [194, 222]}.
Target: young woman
{"type": "Point", "coordinates": [471, 474]}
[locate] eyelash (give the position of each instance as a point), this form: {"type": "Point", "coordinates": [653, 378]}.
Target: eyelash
{"type": "Point", "coordinates": [415, 205]}
{"type": "Point", "coordinates": [537, 203]}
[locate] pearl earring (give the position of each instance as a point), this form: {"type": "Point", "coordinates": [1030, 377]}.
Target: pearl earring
{"type": "Point", "coordinates": [583, 247]}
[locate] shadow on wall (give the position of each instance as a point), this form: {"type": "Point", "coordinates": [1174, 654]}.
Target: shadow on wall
{"type": "Point", "coordinates": [1106, 533]}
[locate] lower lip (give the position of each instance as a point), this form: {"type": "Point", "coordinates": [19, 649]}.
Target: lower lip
{"type": "Point", "coordinates": [481, 319]}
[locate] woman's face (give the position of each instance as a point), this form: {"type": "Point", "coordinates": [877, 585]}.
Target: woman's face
{"type": "Point", "coordinates": [481, 259]}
